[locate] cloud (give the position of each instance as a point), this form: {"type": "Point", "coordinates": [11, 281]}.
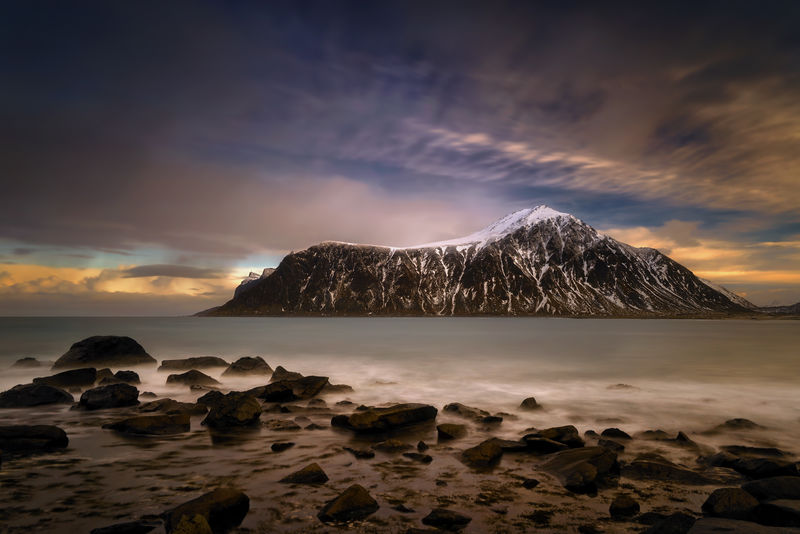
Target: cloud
{"type": "Point", "coordinates": [170, 271]}
{"type": "Point", "coordinates": [23, 251]}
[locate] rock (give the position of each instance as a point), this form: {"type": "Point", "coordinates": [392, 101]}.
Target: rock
{"type": "Point", "coordinates": [152, 425]}
{"type": "Point", "coordinates": [655, 467]}
{"type": "Point", "coordinates": [282, 425]}
{"type": "Point", "coordinates": [27, 395]}
{"type": "Point", "coordinates": [615, 433]}
{"type": "Point", "coordinates": [736, 424]}
{"type": "Point", "coordinates": [195, 525]}
{"type": "Point", "coordinates": [733, 503]}
{"type": "Point", "coordinates": [27, 363]}
{"type": "Point", "coordinates": [290, 390]}
{"type": "Point", "coordinates": [422, 446]}
{"type": "Point", "coordinates": [192, 378]}
{"type": "Point", "coordinates": [107, 351]}
{"type": "Point", "coordinates": [361, 454]}
{"type": "Point", "coordinates": [337, 388]}
{"type": "Point", "coordinates": [148, 395]}
{"type": "Point", "coordinates": [170, 406]}
{"type": "Point", "coordinates": [354, 504]}
{"type": "Point", "coordinates": [211, 399]}
{"type": "Point", "coordinates": [568, 435]}
{"type": "Point", "coordinates": [779, 513]}
{"type": "Point", "coordinates": [468, 412]}
{"type": "Point", "coordinates": [766, 467]}
{"type": "Point", "coordinates": [450, 431]}
{"type": "Point", "coordinates": [754, 452]}
{"type": "Point", "coordinates": [103, 374]}
{"type": "Point", "coordinates": [81, 378]}
{"type": "Point", "coordinates": [530, 404]}
{"type": "Point", "coordinates": [131, 527]}
{"type": "Point", "coordinates": [717, 525]}
{"type": "Point", "coordinates": [112, 396]}
{"type": "Point", "coordinates": [419, 457]}
{"type": "Point", "coordinates": [314, 426]}
{"type": "Point", "coordinates": [537, 444]}
{"type": "Point", "coordinates": [623, 506]}
{"type": "Point", "coordinates": [611, 445]}
{"type": "Point", "coordinates": [383, 419]}
{"type": "Point", "coordinates": [129, 377]}
{"type": "Point", "coordinates": [491, 420]}
{"type": "Point", "coordinates": [223, 508]}
{"type": "Point", "coordinates": [310, 474]}
{"type": "Point", "coordinates": [282, 374]}
{"type": "Point", "coordinates": [391, 446]}
{"type": "Point", "coordinates": [654, 435]}
{"type": "Point", "coordinates": [677, 523]}
{"type": "Point", "coordinates": [282, 446]}
{"type": "Point", "coordinates": [510, 445]}
{"type": "Point", "coordinates": [621, 387]}
{"type": "Point", "coordinates": [186, 364]}
{"type": "Point", "coordinates": [530, 483]}
{"type": "Point", "coordinates": [584, 469]}
{"type": "Point", "coordinates": [108, 380]}
{"type": "Point", "coordinates": [317, 403]}
{"type": "Point", "coordinates": [31, 438]}
{"type": "Point", "coordinates": [234, 410]}
{"type": "Point", "coordinates": [774, 488]}
{"type": "Point", "coordinates": [445, 519]}
{"type": "Point", "coordinates": [484, 455]}
{"type": "Point", "coordinates": [248, 366]}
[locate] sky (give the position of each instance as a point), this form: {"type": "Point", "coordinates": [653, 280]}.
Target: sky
{"type": "Point", "coordinates": [153, 153]}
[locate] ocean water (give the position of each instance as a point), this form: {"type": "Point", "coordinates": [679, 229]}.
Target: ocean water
{"type": "Point", "coordinates": [674, 375]}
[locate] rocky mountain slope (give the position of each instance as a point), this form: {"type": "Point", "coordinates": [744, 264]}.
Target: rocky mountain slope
{"type": "Point", "coordinates": [532, 262]}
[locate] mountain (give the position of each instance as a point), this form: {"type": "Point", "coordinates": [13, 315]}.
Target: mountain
{"type": "Point", "coordinates": [532, 262]}
{"type": "Point", "coordinates": [793, 309]}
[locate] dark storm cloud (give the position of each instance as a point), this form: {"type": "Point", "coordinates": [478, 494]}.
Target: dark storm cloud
{"type": "Point", "coordinates": [170, 271]}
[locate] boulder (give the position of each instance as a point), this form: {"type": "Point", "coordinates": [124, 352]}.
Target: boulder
{"type": "Point", "coordinates": [282, 425]}
{"type": "Point", "coordinates": [392, 446]}
{"type": "Point", "coordinates": [623, 506]}
{"type": "Point", "coordinates": [766, 467]}
{"type": "Point", "coordinates": [170, 406]}
{"type": "Point", "coordinates": [223, 509]}
{"type": "Point", "coordinates": [738, 423]}
{"type": "Point", "coordinates": [282, 374]}
{"type": "Point", "coordinates": [129, 377]}
{"type": "Point", "coordinates": [248, 366]}
{"type": "Point", "coordinates": [733, 503]}
{"type": "Point", "coordinates": [615, 433]}
{"type": "Point", "coordinates": [27, 363]}
{"type": "Point", "coordinates": [568, 435]}
{"type": "Point", "coordinates": [111, 396]}
{"type": "Point", "coordinates": [353, 504]}
{"type": "Point", "coordinates": [511, 445]}
{"type": "Point", "coordinates": [383, 419]}
{"type": "Point", "coordinates": [484, 455]}
{"type": "Point", "coordinates": [419, 457]}
{"type": "Point", "coordinates": [445, 519]}
{"type": "Point", "coordinates": [195, 525]}
{"type": "Point", "coordinates": [537, 444]}
{"type": "Point", "coordinates": [718, 525]}
{"type": "Point", "coordinates": [186, 364]}
{"type": "Point", "coordinates": [754, 452]}
{"type": "Point", "coordinates": [612, 445]}
{"type": "Point", "coordinates": [212, 398]}
{"type": "Point", "coordinates": [530, 404]}
{"type": "Point", "coordinates": [289, 390]}
{"type": "Point", "coordinates": [105, 373]}
{"type": "Point", "coordinates": [192, 378]}
{"type": "Point", "coordinates": [774, 488]}
{"type": "Point", "coordinates": [234, 410]}
{"type": "Point", "coordinates": [105, 351]}
{"type": "Point", "coordinates": [31, 438]}
{"type": "Point", "coordinates": [27, 395]}
{"type": "Point", "coordinates": [282, 446]}
{"type": "Point", "coordinates": [468, 412]}
{"type": "Point", "coordinates": [656, 467]}
{"type": "Point", "coordinates": [81, 378]}
{"type": "Point", "coordinates": [361, 454]}
{"type": "Point", "coordinates": [450, 431]}
{"type": "Point", "coordinates": [130, 527]}
{"type": "Point", "coordinates": [677, 523]}
{"type": "Point", "coordinates": [584, 469]}
{"type": "Point", "coordinates": [310, 474]}
{"type": "Point", "coordinates": [152, 425]}
{"type": "Point", "coordinates": [779, 513]}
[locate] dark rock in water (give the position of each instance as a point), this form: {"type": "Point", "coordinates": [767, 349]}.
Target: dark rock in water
{"type": "Point", "coordinates": [445, 519]}
{"type": "Point", "coordinates": [611, 445]}
{"type": "Point", "coordinates": [754, 452]}
{"type": "Point", "coordinates": [248, 366]}
{"type": "Point", "coordinates": [148, 395]}
{"type": "Point", "coordinates": [282, 374]}
{"type": "Point", "coordinates": [314, 426]}
{"type": "Point", "coordinates": [337, 388]}
{"type": "Point", "coordinates": [27, 363]}
{"type": "Point", "coordinates": [539, 445]}
{"type": "Point", "coordinates": [211, 399]}
{"type": "Point", "coordinates": [186, 364]}
{"type": "Point", "coordinates": [31, 438]}
{"type": "Point", "coordinates": [361, 454]}
{"type": "Point", "coordinates": [491, 420]}
{"type": "Point", "coordinates": [223, 509]}
{"type": "Point", "coordinates": [656, 467]}
{"type": "Point", "coordinates": [766, 467]}
{"type": "Point", "coordinates": [290, 390]}
{"type": "Point", "coordinates": [655, 435]}
{"type": "Point", "coordinates": [108, 380]}
{"type": "Point", "coordinates": [282, 425]}
{"type": "Point", "coordinates": [195, 525]}
{"type": "Point", "coordinates": [484, 455]}
{"type": "Point", "coordinates": [584, 469]}
{"type": "Point", "coordinates": [451, 431]}
{"type": "Point", "coordinates": [82, 378]}
{"type": "Point", "coordinates": [282, 446]}
{"type": "Point", "coordinates": [112, 396]}
{"type": "Point", "coordinates": [468, 412]}
{"type": "Point", "coordinates": [510, 445]}
{"type": "Point", "coordinates": [779, 513]}
{"type": "Point", "coordinates": [317, 403]}
{"type": "Point", "coordinates": [104, 374]}
{"type": "Point", "coordinates": [107, 351]}
{"type": "Point", "coordinates": [718, 525]}
{"type": "Point", "coordinates": [615, 433]}
{"type": "Point", "coordinates": [383, 419]}
{"type": "Point", "coordinates": [27, 395]}
{"type": "Point", "coordinates": [152, 425]}
{"type": "Point", "coordinates": [736, 424]}
{"type": "Point", "coordinates": [345, 403]}
{"type": "Point", "coordinates": [170, 406]}
{"type": "Point", "coordinates": [733, 503]}
{"type": "Point", "coordinates": [530, 404]}
{"type": "Point", "coordinates": [774, 488]}
{"type": "Point", "coordinates": [568, 435]}
{"type": "Point", "coordinates": [129, 377]}
{"type": "Point", "coordinates": [391, 446]}
{"type": "Point", "coordinates": [422, 446]}
{"type": "Point", "coordinates": [530, 483]}
{"type": "Point", "coordinates": [591, 434]}
{"type": "Point", "coordinates": [685, 441]}
{"type": "Point", "coordinates": [623, 506]}
{"type": "Point", "coordinates": [419, 457]}
{"type": "Point", "coordinates": [678, 523]}
{"type": "Point", "coordinates": [310, 474]}
{"type": "Point", "coordinates": [130, 527]}
{"type": "Point", "coordinates": [192, 378]}
{"type": "Point", "coordinates": [233, 410]}
{"type": "Point", "coordinates": [621, 387]}
{"type": "Point", "coordinates": [353, 504]}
